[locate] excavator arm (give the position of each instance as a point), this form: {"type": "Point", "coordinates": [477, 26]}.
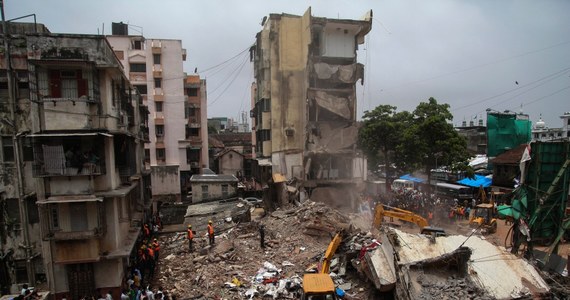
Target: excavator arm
{"type": "Point", "coordinates": [331, 249]}
{"type": "Point", "coordinates": [398, 213]}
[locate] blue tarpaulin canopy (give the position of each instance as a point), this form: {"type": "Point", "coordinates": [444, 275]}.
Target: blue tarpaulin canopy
{"type": "Point", "coordinates": [477, 182]}
{"type": "Point", "coordinates": [410, 177]}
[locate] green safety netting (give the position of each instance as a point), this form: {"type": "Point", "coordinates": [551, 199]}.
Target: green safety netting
{"type": "Point", "coordinates": [506, 131]}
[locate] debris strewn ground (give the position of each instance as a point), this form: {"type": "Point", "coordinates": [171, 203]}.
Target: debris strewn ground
{"type": "Point", "coordinates": [296, 239]}
{"type": "Point", "coordinates": [238, 268]}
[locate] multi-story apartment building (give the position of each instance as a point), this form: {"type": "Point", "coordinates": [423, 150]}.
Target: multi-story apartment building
{"type": "Point", "coordinates": [154, 66]}
{"type": "Point", "coordinates": [305, 98]}
{"type": "Point", "coordinates": [195, 143]}
{"type": "Point", "coordinates": [78, 133]}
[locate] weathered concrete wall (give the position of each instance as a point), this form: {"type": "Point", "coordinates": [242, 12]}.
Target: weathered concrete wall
{"type": "Point", "coordinates": [230, 163]}
{"type": "Point", "coordinates": [165, 180]}
{"type": "Point", "coordinates": [92, 48]}
{"type": "Point", "coordinates": [288, 82]}
{"type": "Point", "coordinates": [173, 213]}
{"type": "Point", "coordinates": [214, 191]}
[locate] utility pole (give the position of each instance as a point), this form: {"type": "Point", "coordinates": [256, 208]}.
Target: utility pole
{"type": "Point", "coordinates": [22, 207]}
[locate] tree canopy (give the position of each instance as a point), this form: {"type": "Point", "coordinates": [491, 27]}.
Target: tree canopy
{"type": "Point", "coordinates": [424, 138]}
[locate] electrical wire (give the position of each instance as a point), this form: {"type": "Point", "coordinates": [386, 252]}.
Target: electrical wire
{"type": "Point", "coordinates": [532, 88]}
{"type": "Point", "coordinates": [225, 61]}
{"type": "Point", "coordinates": [229, 84]}
{"type": "Point", "coordinates": [236, 69]}
{"type": "Point", "coordinates": [488, 63]}
{"type": "Point", "coordinates": [479, 101]}
{"type": "Point", "coordinates": [543, 97]}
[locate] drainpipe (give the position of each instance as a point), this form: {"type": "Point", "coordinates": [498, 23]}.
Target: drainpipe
{"type": "Point", "coordinates": [15, 139]}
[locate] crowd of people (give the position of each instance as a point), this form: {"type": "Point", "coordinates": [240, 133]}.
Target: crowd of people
{"type": "Point", "coordinates": [435, 208]}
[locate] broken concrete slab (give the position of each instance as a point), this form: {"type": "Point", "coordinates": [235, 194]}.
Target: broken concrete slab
{"type": "Point", "coordinates": [486, 264]}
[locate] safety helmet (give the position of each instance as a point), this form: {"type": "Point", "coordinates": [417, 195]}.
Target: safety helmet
{"type": "Point", "coordinates": [189, 226]}
{"type": "Point", "coordinates": [155, 239]}
{"type": "Point", "coordinates": [210, 222]}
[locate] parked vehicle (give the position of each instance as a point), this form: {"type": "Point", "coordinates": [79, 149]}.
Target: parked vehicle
{"type": "Point", "coordinates": [255, 201]}
{"type": "Point", "coordinates": [402, 185]}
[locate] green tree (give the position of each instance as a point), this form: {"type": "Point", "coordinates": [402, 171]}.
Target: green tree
{"type": "Point", "coordinates": [381, 133]}
{"type": "Point", "coordinates": [212, 130]}
{"type": "Point", "coordinates": [431, 141]}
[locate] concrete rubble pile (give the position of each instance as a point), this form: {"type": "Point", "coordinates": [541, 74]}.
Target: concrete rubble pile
{"type": "Point", "coordinates": [237, 268]}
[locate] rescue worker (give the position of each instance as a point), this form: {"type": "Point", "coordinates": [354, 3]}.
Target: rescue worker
{"type": "Point", "coordinates": [156, 248]}
{"type": "Point", "coordinates": [146, 231]}
{"type": "Point", "coordinates": [211, 232]}
{"type": "Point", "coordinates": [150, 261]}
{"type": "Point", "coordinates": [190, 237]}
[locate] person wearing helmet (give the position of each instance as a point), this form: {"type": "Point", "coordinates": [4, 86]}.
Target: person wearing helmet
{"type": "Point", "coordinates": [190, 237]}
{"type": "Point", "coordinates": [211, 232]}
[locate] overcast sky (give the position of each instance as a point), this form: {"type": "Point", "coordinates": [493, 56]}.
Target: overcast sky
{"type": "Point", "coordinates": [469, 54]}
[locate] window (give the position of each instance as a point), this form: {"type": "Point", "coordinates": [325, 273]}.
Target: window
{"type": "Point", "coordinates": [192, 132]}
{"type": "Point", "coordinates": [137, 67]}
{"type": "Point", "coordinates": [158, 106]}
{"type": "Point", "coordinates": [141, 88]}
{"type": "Point", "coordinates": [7, 149]}
{"type": "Point", "coordinates": [156, 59]}
{"type": "Point", "coordinates": [147, 155]}
{"type": "Point", "coordinates": [120, 54]}
{"type": "Point", "coordinates": [159, 130]}
{"type": "Point", "coordinates": [225, 192]}
{"type": "Point", "coordinates": [157, 83]}
{"type": "Point", "coordinates": [160, 154]}
{"type": "Point", "coordinates": [54, 217]}
{"type": "Point", "coordinates": [189, 112]}
{"type": "Point", "coordinates": [204, 192]}
{"type": "Point", "coordinates": [3, 91]}
{"type": "Point", "coordinates": [66, 83]}
{"type": "Point", "coordinates": [138, 45]}
{"type": "Point", "coordinates": [193, 92]}
{"type": "Point", "coordinates": [78, 216]}
{"type": "Point", "coordinates": [33, 214]}
{"type": "Point", "coordinates": [266, 105]}
{"type": "Point", "coordinates": [21, 271]}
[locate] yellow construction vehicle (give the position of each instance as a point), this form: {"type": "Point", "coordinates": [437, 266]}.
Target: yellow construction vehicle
{"type": "Point", "coordinates": [405, 215]}
{"type": "Point", "coordinates": [317, 286]}
{"type": "Point", "coordinates": [484, 217]}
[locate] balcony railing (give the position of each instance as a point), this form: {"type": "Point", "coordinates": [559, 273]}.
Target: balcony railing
{"type": "Point", "coordinates": [53, 160]}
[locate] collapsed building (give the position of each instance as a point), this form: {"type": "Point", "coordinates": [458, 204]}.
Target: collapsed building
{"type": "Point", "coordinates": [305, 101]}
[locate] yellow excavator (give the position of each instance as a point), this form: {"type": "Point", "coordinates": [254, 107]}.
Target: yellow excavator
{"type": "Point", "coordinates": [483, 215]}
{"type": "Point", "coordinates": [317, 286]}
{"type": "Point", "coordinates": [405, 215]}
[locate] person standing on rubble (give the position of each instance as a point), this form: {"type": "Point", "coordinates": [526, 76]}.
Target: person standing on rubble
{"type": "Point", "coordinates": [156, 248]}
{"type": "Point", "coordinates": [190, 237]}
{"type": "Point", "coordinates": [211, 232]}
{"type": "Point", "coordinates": [262, 235]}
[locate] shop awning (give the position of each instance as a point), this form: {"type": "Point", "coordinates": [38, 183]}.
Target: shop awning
{"type": "Point", "coordinates": [411, 178]}
{"type": "Point", "coordinates": [70, 199]}
{"type": "Point", "coordinates": [477, 182]}
{"type": "Point", "coordinates": [69, 134]}
{"type": "Point", "coordinates": [264, 162]}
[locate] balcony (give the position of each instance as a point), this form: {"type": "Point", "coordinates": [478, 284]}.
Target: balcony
{"type": "Point", "coordinates": [74, 154]}
{"type": "Point", "coordinates": [157, 73]}
{"type": "Point", "coordinates": [137, 77]}
{"type": "Point", "coordinates": [72, 217]}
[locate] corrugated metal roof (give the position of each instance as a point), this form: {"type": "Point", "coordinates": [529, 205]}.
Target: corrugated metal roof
{"type": "Point", "coordinates": [213, 178]}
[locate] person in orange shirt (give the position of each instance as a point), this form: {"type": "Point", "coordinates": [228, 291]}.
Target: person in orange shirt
{"type": "Point", "coordinates": [156, 248]}
{"type": "Point", "coordinates": [211, 232]}
{"type": "Point", "coordinates": [150, 262]}
{"type": "Point", "coordinates": [190, 237]}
